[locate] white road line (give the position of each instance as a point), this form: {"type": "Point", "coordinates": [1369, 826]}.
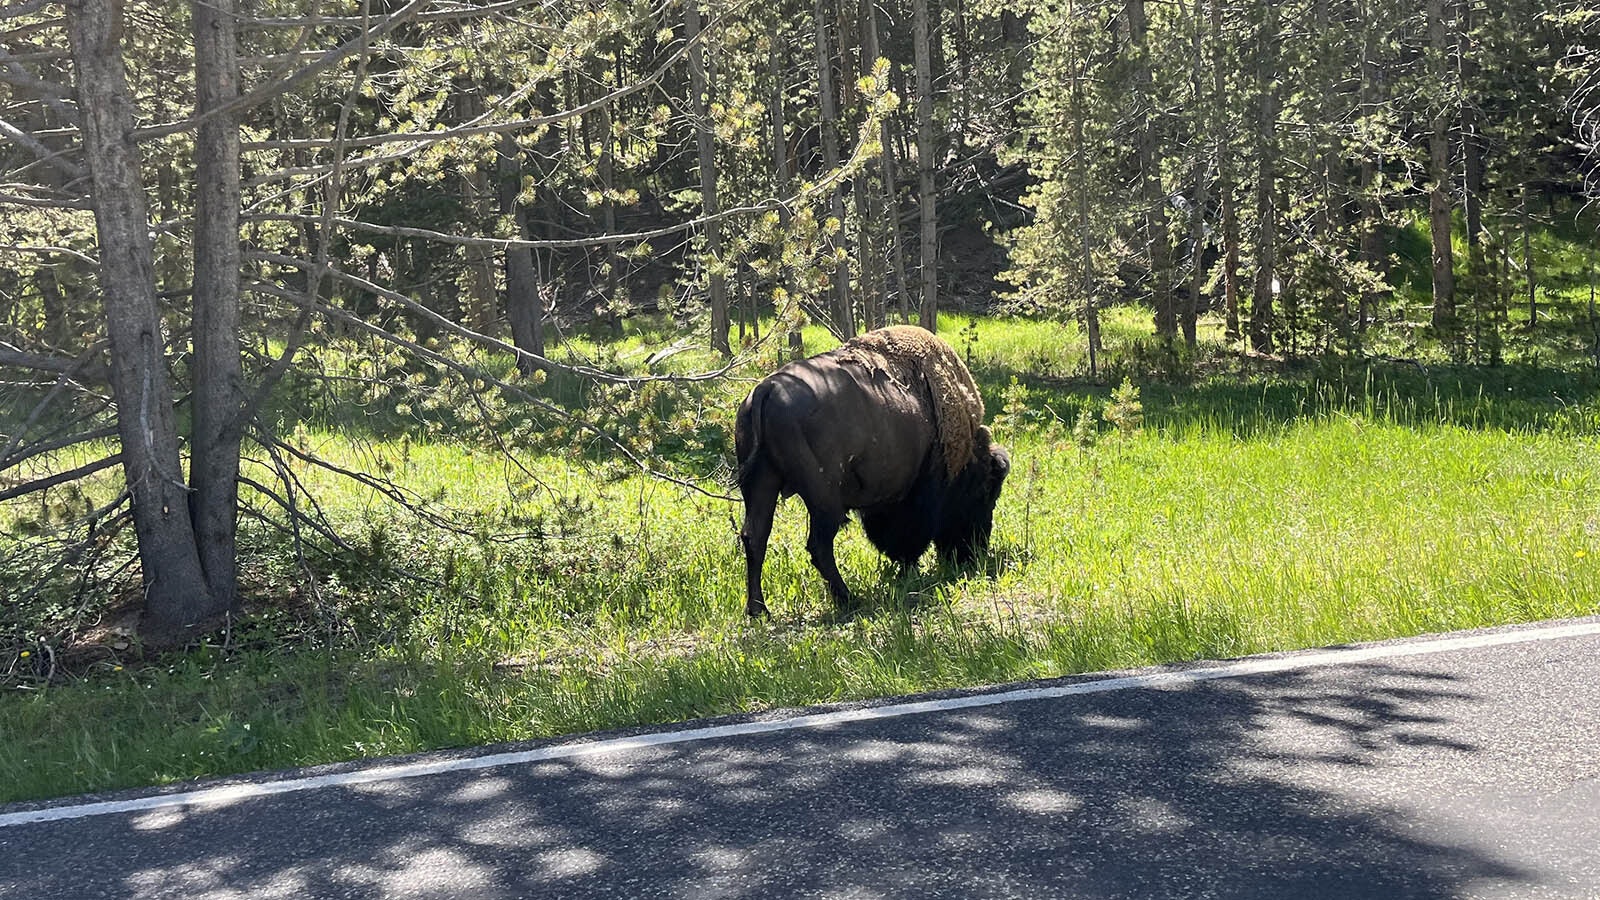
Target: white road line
{"type": "Point", "coordinates": [229, 794]}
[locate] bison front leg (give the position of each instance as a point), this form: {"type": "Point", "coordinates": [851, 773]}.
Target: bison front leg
{"type": "Point", "coordinates": [825, 525]}
{"type": "Point", "coordinates": [760, 503]}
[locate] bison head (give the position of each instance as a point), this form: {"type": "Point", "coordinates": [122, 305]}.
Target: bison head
{"type": "Point", "coordinates": [968, 515]}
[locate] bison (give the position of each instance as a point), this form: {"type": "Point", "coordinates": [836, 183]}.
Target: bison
{"type": "Point", "coordinates": [890, 425]}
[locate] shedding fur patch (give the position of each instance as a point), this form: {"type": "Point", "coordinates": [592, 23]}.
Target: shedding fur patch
{"type": "Point", "coordinates": [910, 353]}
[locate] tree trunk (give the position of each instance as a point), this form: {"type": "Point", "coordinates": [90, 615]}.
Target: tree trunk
{"type": "Point", "coordinates": [1151, 194]}
{"type": "Point", "coordinates": [606, 165]}
{"type": "Point", "coordinates": [524, 306]}
{"type": "Point", "coordinates": [699, 86]}
{"type": "Point", "coordinates": [1261, 302]}
{"type": "Point", "coordinates": [1014, 36]}
{"type": "Point", "coordinates": [1091, 311]}
{"type": "Point", "coordinates": [844, 318]}
{"type": "Point", "coordinates": [961, 48]}
{"type": "Point", "coordinates": [782, 167]}
{"type": "Point", "coordinates": [1439, 204]}
{"type": "Point", "coordinates": [480, 260]}
{"type": "Point", "coordinates": [891, 191]}
{"type": "Point", "coordinates": [1225, 191]}
{"type": "Point", "coordinates": [175, 589]}
{"type": "Point", "coordinates": [1527, 263]}
{"type": "Point", "coordinates": [1472, 183]}
{"type": "Point", "coordinates": [57, 327]}
{"type": "Point", "coordinates": [926, 198]}
{"type": "Point", "coordinates": [1372, 249]}
{"type": "Point", "coordinates": [219, 392]}
{"type": "Point", "coordinates": [1202, 171]}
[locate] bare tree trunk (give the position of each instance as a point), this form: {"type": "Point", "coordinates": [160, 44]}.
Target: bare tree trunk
{"type": "Point", "coordinates": [1014, 35]}
{"type": "Point", "coordinates": [1372, 250]}
{"type": "Point", "coordinates": [1152, 196]}
{"type": "Point", "coordinates": [1091, 311]}
{"type": "Point", "coordinates": [782, 167]}
{"type": "Point", "coordinates": [480, 260]}
{"type": "Point", "coordinates": [219, 392]}
{"type": "Point", "coordinates": [57, 327]}
{"type": "Point", "coordinates": [176, 592]}
{"type": "Point", "coordinates": [606, 169]}
{"type": "Point", "coordinates": [1472, 185]}
{"type": "Point", "coordinates": [961, 49]}
{"type": "Point", "coordinates": [1188, 315]}
{"type": "Point", "coordinates": [1261, 311]}
{"type": "Point", "coordinates": [1527, 263]}
{"type": "Point", "coordinates": [844, 317]}
{"type": "Point", "coordinates": [1225, 191]}
{"type": "Point", "coordinates": [701, 89]}
{"type": "Point", "coordinates": [926, 197]}
{"type": "Point", "coordinates": [524, 306]}
{"type": "Point", "coordinates": [891, 191]}
{"type": "Point", "coordinates": [476, 196]}
{"type": "Point", "coordinates": [1439, 203]}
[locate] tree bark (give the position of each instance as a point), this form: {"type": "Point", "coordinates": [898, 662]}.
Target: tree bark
{"type": "Point", "coordinates": [1439, 174]}
{"type": "Point", "coordinates": [1527, 263]}
{"type": "Point", "coordinates": [926, 196]}
{"type": "Point", "coordinates": [1188, 315]}
{"type": "Point", "coordinates": [480, 260]}
{"type": "Point", "coordinates": [1152, 196]}
{"type": "Point", "coordinates": [1225, 190]}
{"type": "Point", "coordinates": [1472, 152]}
{"type": "Point", "coordinates": [219, 391]}
{"type": "Point", "coordinates": [891, 189]}
{"type": "Point", "coordinates": [843, 316]}
{"type": "Point", "coordinates": [1262, 295]}
{"type": "Point", "coordinates": [524, 306]}
{"type": "Point", "coordinates": [57, 327]}
{"type": "Point", "coordinates": [1372, 249]}
{"type": "Point", "coordinates": [176, 593]}
{"type": "Point", "coordinates": [704, 139]}
{"type": "Point", "coordinates": [782, 167]}
{"type": "Point", "coordinates": [1091, 311]}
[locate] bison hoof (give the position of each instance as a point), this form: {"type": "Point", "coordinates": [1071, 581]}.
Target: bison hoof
{"type": "Point", "coordinates": [754, 608]}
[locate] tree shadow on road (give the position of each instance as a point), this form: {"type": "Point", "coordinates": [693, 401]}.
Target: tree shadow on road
{"type": "Point", "coordinates": [1229, 788]}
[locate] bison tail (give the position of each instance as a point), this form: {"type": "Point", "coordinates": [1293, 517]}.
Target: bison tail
{"type": "Point", "coordinates": [747, 431]}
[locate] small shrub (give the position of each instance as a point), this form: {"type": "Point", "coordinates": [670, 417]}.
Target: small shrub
{"type": "Point", "coordinates": [1125, 409]}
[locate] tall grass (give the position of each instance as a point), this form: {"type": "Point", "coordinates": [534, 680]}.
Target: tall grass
{"type": "Point", "coordinates": [1250, 513]}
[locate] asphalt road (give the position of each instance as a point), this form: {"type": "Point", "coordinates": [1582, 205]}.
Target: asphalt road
{"type": "Point", "coordinates": [1427, 770]}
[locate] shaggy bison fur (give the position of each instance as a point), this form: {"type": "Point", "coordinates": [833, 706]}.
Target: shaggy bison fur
{"type": "Point", "coordinates": [852, 429]}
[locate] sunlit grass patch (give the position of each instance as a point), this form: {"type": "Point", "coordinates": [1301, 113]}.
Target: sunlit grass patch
{"type": "Point", "coordinates": [1247, 514]}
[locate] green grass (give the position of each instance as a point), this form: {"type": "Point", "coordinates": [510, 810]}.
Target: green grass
{"type": "Point", "coordinates": [1253, 512]}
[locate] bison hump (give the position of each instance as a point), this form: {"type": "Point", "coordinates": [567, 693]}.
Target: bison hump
{"type": "Point", "coordinates": [911, 354]}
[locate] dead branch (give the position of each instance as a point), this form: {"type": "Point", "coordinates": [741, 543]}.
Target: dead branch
{"type": "Point", "coordinates": [42, 447]}
{"type": "Point", "coordinates": [45, 251]}
{"type": "Point", "coordinates": [45, 154]}
{"type": "Point", "coordinates": [15, 357]}
{"type": "Point", "coordinates": [20, 200]}
{"type": "Point", "coordinates": [294, 511]}
{"type": "Point", "coordinates": [424, 139]}
{"type": "Point", "coordinates": [443, 15]}
{"type": "Point", "coordinates": [492, 343]}
{"type": "Point", "coordinates": [272, 89]}
{"type": "Point", "coordinates": [99, 532]}
{"type": "Point", "coordinates": [63, 381]}
{"type": "Point", "coordinates": [471, 376]}
{"type": "Point", "coordinates": [22, 8]}
{"type": "Point", "coordinates": [44, 484]}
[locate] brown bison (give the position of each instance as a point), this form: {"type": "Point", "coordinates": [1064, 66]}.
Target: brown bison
{"type": "Point", "coordinates": [889, 424]}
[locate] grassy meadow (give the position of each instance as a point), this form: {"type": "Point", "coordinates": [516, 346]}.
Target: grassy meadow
{"type": "Point", "coordinates": [1235, 506]}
